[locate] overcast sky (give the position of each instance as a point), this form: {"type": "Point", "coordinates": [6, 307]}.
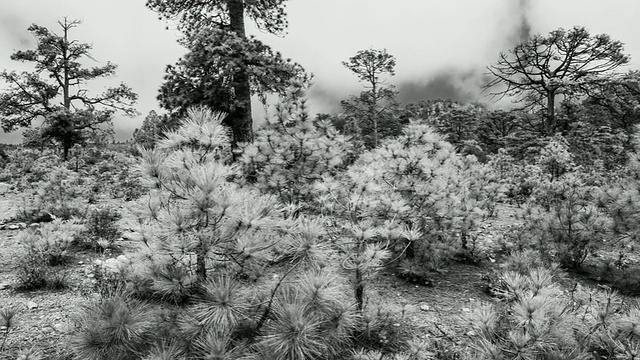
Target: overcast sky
{"type": "Point", "coordinates": [441, 46]}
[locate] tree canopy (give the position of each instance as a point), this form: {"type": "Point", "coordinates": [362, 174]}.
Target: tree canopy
{"type": "Point", "coordinates": [370, 113]}
{"type": "Point", "coordinates": [223, 63]}
{"type": "Point", "coordinates": [56, 91]}
{"type": "Point", "coordinates": [569, 63]}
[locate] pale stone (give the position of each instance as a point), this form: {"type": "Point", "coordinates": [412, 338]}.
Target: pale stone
{"type": "Point", "coordinates": [31, 305]}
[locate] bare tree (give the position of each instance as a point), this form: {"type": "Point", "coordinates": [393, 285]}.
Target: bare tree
{"type": "Point", "coordinates": [564, 63]}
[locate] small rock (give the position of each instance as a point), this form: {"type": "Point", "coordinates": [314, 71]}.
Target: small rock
{"type": "Point", "coordinates": [34, 226]}
{"type": "Point", "coordinates": [80, 262]}
{"type": "Point", "coordinates": [22, 225]}
{"type": "Point", "coordinates": [62, 328]}
{"type": "Point", "coordinates": [31, 305]}
{"type": "Point", "coordinates": [4, 286]}
{"type": "Point", "coordinates": [466, 309]}
{"type": "Point", "coordinates": [425, 307]}
{"type": "Point", "coordinates": [13, 227]}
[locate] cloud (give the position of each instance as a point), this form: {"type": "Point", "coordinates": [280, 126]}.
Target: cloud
{"type": "Point", "coordinates": [326, 98]}
{"type": "Point", "coordinates": [463, 83]}
{"type": "Point", "coordinates": [523, 30]}
{"type": "Point", "coordinates": [451, 84]}
{"type": "Point", "coordinates": [442, 47]}
{"type": "Point", "coordinates": [13, 30]}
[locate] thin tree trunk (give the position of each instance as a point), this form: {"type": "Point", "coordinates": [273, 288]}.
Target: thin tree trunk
{"type": "Point", "coordinates": [359, 289]}
{"type": "Point", "coordinates": [201, 263]}
{"type": "Point", "coordinates": [240, 119]}
{"type": "Point", "coordinates": [372, 113]}
{"type": "Point", "coordinates": [551, 113]}
{"type": "Point", "coordinates": [65, 63]}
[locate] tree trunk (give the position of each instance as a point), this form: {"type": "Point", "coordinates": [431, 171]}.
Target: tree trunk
{"type": "Point", "coordinates": [551, 113]}
{"type": "Point", "coordinates": [201, 262]}
{"type": "Point", "coordinates": [359, 289]}
{"type": "Point", "coordinates": [240, 119]}
{"type": "Point", "coordinates": [65, 152]}
{"type": "Point", "coordinates": [372, 113]}
{"type": "Point", "coordinates": [65, 67]}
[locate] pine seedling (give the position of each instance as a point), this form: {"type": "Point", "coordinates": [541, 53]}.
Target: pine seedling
{"type": "Point", "coordinates": [29, 354]}
{"type": "Point", "coordinates": [195, 218]}
{"type": "Point", "coordinates": [114, 328]}
{"type": "Point", "coordinates": [7, 322]}
{"type": "Point", "coordinates": [166, 351]}
{"type": "Point", "coordinates": [292, 151]}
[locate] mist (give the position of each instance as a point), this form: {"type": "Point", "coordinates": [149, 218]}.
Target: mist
{"type": "Point", "coordinates": [442, 48]}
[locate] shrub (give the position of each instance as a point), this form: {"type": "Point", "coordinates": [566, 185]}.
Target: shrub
{"type": "Point", "coordinates": [518, 178]}
{"type": "Point", "coordinates": [25, 167]}
{"type": "Point", "coordinates": [114, 328]}
{"type": "Point", "coordinates": [237, 279]}
{"type": "Point", "coordinates": [195, 218]}
{"type": "Point", "coordinates": [555, 158]}
{"type": "Point", "coordinates": [569, 226]}
{"type": "Point", "coordinates": [113, 172]}
{"type": "Point", "coordinates": [383, 330]}
{"type": "Point", "coordinates": [415, 182]}
{"type": "Point", "coordinates": [32, 269]}
{"type": "Point", "coordinates": [292, 151]}
{"type": "Point", "coordinates": [314, 320]}
{"type": "Point", "coordinates": [64, 194]}
{"type": "Point", "coordinates": [112, 275]}
{"type": "Point", "coordinates": [55, 238]}
{"type": "Point", "coordinates": [29, 354]}
{"type": "Point", "coordinates": [540, 321]}
{"type": "Point", "coordinates": [7, 323]}
{"type": "Point", "coordinates": [44, 250]}
{"type": "Point", "coordinates": [360, 208]}
{"type": "Point", "coordinates": [621, 201]}
{"type": "Point", "coordinates": [102, 227]}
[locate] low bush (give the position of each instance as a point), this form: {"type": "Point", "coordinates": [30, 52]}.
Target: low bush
{"type": "Point", "coordinates": [292, 151]}
{"type": "Point", "coordinates": [102, 228]}
{"type": "Point", "coordinates": [115, 328]}
{"type": "Point", "coordinates": [44, 250]}
{"type": "Point", "coordinates": [7, 323]}
{"type": "Point", "coordinates": [63, 194]}
{"type": "Point", "coordinates": [538, 320]}
{"type": "Point", "coordinates": [383, 330]}
{"type": "Point", "coordinates": [569, 225]}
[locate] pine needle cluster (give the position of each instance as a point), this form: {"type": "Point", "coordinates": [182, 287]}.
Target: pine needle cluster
{"type": "Point", "coordinates": [292, 151]}
{"type": "Point", "coordinates": [538, 319]}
